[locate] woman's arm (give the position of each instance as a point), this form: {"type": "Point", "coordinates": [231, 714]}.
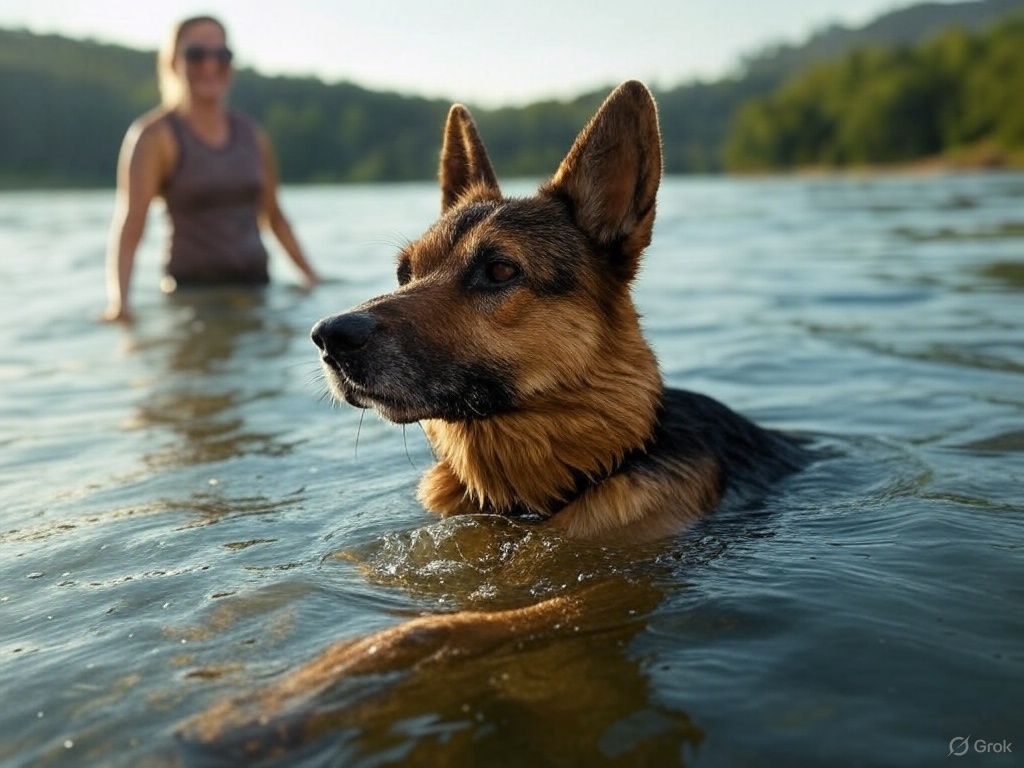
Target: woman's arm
{"type": "Point", "coordinates": [140, 172]}
{"type": "Point", "coordinates": [273, 217]}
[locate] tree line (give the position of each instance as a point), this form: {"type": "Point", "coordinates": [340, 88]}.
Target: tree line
{"type": "Point", "coordinates": [959, 96]}
{"type": "Point", "coordinates": [66, 105]}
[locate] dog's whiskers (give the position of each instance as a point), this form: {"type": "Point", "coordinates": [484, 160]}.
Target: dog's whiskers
{"type": "Point", "coordinates": [405, 442]}
{"type": "Point", "coordinates": [430, 445]}
{"type": "Point", "coordinates": [359, 429]}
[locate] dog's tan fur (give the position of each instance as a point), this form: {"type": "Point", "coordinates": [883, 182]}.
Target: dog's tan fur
{"type": "Point", "coordinates": [587, 388]}
{"type": "Point", "coordinates": [590, 390]}
{"type": "Point", "coordinates": [532, 379]}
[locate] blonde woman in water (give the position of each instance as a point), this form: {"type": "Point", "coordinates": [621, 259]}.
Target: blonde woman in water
{"type": "Point", "coordinates": [214, 169]}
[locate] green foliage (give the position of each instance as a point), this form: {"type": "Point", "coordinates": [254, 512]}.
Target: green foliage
{"type": "Point", "coordinates": [949, 95]}
{"type": "Point", "coordinates": [67, 104]}
{"type": "Point", "coordinates": [340, 132]}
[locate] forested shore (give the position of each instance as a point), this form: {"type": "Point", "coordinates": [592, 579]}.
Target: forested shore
{"type": "Point", "coordinates": [935, 83]}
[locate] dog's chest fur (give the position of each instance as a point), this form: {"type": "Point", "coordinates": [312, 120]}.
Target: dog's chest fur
{"type": "Point", "coordinates": [698, 451]}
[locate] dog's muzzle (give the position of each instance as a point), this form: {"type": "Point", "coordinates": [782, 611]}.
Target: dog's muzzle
{"type": "Point", "coordinates": [339, 335]}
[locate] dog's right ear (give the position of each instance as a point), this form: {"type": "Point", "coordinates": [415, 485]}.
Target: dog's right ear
{"type": "Point", "coordinates": [465, 167]}
{"type": "Point", "coordinates": [611, 175]}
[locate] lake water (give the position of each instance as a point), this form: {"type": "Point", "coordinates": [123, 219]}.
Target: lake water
{"type": "Point", "coordinates": [185, 516]}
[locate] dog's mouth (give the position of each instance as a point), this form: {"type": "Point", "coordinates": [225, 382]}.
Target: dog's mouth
{"type": "Point", "coordinates": [396, 401]}
{"type": "Point", "coordinates": [395, 409]}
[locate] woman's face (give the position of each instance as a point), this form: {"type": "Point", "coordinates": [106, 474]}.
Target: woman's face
{"type": "Point", "coordinates": [203, 62]}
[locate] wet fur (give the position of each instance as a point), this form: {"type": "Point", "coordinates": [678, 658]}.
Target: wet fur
{"type": "Point", "coordinates": [513, 339]}
{"type": "Point", "coordinates": [539, 394]}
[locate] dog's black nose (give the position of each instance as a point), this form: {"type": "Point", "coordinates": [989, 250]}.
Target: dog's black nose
{"type": "Point", "coordinates": [343, 333]}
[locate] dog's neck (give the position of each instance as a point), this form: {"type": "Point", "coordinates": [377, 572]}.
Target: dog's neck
{"type": "Point", "coordinates": [524, 513]}
{"type": "Point", "coordinates": [552, 448]}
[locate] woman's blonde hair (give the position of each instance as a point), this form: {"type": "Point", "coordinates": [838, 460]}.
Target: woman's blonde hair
{"type": "Point", "coordinates": [171, 88]}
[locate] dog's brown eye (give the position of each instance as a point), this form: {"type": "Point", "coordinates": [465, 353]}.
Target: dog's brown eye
{"type": "Point", "coordinates": [502, 271]}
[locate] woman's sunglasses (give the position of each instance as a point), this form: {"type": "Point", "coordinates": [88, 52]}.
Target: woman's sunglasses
{"type": "Point", "coordinates": [197, 54]}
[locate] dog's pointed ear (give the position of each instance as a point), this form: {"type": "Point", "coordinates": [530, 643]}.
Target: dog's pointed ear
{"type": "Point", "coordinates": [611, 175]}
{"type": "Point", "coordinates": [465, 166]}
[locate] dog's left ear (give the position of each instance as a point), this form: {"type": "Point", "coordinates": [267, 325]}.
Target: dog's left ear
{"type": "Point", "coordinates": [465, 166]}
{"type": "Point", "coordinates": [611, 175]}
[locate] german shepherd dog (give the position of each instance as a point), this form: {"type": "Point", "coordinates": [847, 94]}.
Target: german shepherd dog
{"type": "Point", "coordinates": [513, 339]}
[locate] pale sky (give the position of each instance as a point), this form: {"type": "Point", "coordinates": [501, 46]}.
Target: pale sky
{"type": "Point", "coordinates": [485, 53]}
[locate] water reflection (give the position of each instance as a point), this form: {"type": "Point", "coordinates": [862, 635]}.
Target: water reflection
{"type": "Point", "coordinates": [217, 355]}
{"type": "Point", "coordinates": [558, 684]}
{"type": "Point", "coordinates": [800, 637]}
{"type": "Point", "coordinates": [1009, 273]}
{"type": "Point", "coordinates": [574, 698]}
{"type": "Point", "coordinates": [568, 693]}
{"type": "Point", "coordinates": [1007, 230]}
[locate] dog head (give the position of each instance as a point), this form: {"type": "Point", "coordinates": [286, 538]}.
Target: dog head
{"type": "Point", "coordinates": [511, 305]}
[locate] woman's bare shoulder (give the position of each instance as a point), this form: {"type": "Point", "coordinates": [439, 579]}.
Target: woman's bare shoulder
{"type": "Point", "coordinates": [152, 126]}
{"type": "Point", "coordinates": [150, 139]}
{"type": "Point", "coordinates": [155, 121]}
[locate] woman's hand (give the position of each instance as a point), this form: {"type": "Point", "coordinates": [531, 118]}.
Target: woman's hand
{"type": "Point", "coordinates": [310, 279]}
{"type": "Point", "coordinates": [116, 313]}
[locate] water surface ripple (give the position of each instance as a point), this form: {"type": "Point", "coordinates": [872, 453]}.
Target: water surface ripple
{"type": "Point", "coordinates": [185, 516]}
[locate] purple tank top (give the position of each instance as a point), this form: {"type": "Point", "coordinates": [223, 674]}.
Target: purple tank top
{"type": "Point", "coordinates": [213, 202]}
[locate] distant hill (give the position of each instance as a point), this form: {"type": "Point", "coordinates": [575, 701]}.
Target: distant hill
{"type": "Point", "coordinates": [66, 104]}
{"type": "Point", "coordinates": [697, 117]}
{"type": "Point", "coordinates": [956, 98]}
{"type": "Point", "coordinates": [906, 26]}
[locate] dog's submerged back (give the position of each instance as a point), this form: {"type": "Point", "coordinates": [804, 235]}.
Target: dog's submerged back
{"type": "Point", "coordinates": [514, 340]}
